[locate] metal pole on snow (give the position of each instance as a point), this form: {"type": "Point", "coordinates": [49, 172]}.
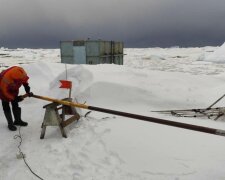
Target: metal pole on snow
{"type": "Point", "coordinates": [216, 101]}
{"type": "Point", "coordinates": [136, 116]}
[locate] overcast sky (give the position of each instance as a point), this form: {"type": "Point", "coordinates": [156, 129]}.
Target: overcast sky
{"type": "Point", "coordinates": [138, 23]}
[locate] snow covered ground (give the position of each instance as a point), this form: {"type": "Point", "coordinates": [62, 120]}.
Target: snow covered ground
{"type": "Point", "coordinates": [108, 147]}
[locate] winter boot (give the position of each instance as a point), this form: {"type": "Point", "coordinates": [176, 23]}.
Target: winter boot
{"type": "Point", "coordinates": [17, 116]}
{"type": "Point", "coordinates": [8, 116]}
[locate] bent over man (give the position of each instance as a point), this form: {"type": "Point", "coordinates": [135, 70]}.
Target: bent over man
{"type": "Point", "coordinates": [11, 80]}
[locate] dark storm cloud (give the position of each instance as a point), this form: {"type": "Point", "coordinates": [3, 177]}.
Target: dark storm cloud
{"type": "Point", "coordinates": [143, 23]}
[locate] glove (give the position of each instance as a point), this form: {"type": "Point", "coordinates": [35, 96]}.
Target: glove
{"type": "Point", "coordinates": [27, 88]}
{"type": "Point", "coordinates": [19, 98]}
{"type": "Point", "coordinates": [30, 94]}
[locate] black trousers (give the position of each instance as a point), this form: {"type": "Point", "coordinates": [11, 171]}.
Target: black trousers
{"type": "Point", "coordinates": [6, 106]}
{"type": "Point", "coordinates": [15, 109]}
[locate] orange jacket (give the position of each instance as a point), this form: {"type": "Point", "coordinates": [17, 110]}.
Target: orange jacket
{"type": "Point", "coordinates": [10, 81]}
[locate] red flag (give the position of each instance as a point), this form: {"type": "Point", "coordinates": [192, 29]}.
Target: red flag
{"type": "Point", "coordinates": [65, 84]}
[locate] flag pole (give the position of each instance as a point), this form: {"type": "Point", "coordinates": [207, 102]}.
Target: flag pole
{"type": "Point", "coordinates": [70, 89]}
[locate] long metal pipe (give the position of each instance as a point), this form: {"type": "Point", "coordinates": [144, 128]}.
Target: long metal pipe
{"type": "Point", "coordinates": [136, 116]}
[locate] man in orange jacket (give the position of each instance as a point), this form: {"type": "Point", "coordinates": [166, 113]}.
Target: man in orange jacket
{"type": "Point", "coordinates": [11, 80]}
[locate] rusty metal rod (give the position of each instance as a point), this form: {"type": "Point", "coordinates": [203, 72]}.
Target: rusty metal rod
{"type": "Point", "coordinates": [216, 101]}
{"type": "Point", "coordinates": [139, 117]}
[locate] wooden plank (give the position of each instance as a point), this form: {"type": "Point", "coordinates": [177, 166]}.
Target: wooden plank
{"type": "Point", "coordinates": [70, 120]}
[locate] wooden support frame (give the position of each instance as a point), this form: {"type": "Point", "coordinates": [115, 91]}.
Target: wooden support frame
{"type": "Point", "coordinates": [53, 117]}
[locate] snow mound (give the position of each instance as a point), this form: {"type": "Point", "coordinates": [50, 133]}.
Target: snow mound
{"type": "Point", "coordinates": [216, 56]}
{"type": "Point", "coordinates": [80, 77]}
{"type": "Point", "coordinates": [154, 57]}
{"type": "Point", "coordinates": [105, 84]}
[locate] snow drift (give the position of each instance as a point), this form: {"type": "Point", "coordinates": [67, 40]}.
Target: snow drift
{"type": "Point", "coordinates": [217, 56]}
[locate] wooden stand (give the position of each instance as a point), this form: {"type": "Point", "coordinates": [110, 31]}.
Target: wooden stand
{"type": "Point", "coordinates": [52, 117]}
